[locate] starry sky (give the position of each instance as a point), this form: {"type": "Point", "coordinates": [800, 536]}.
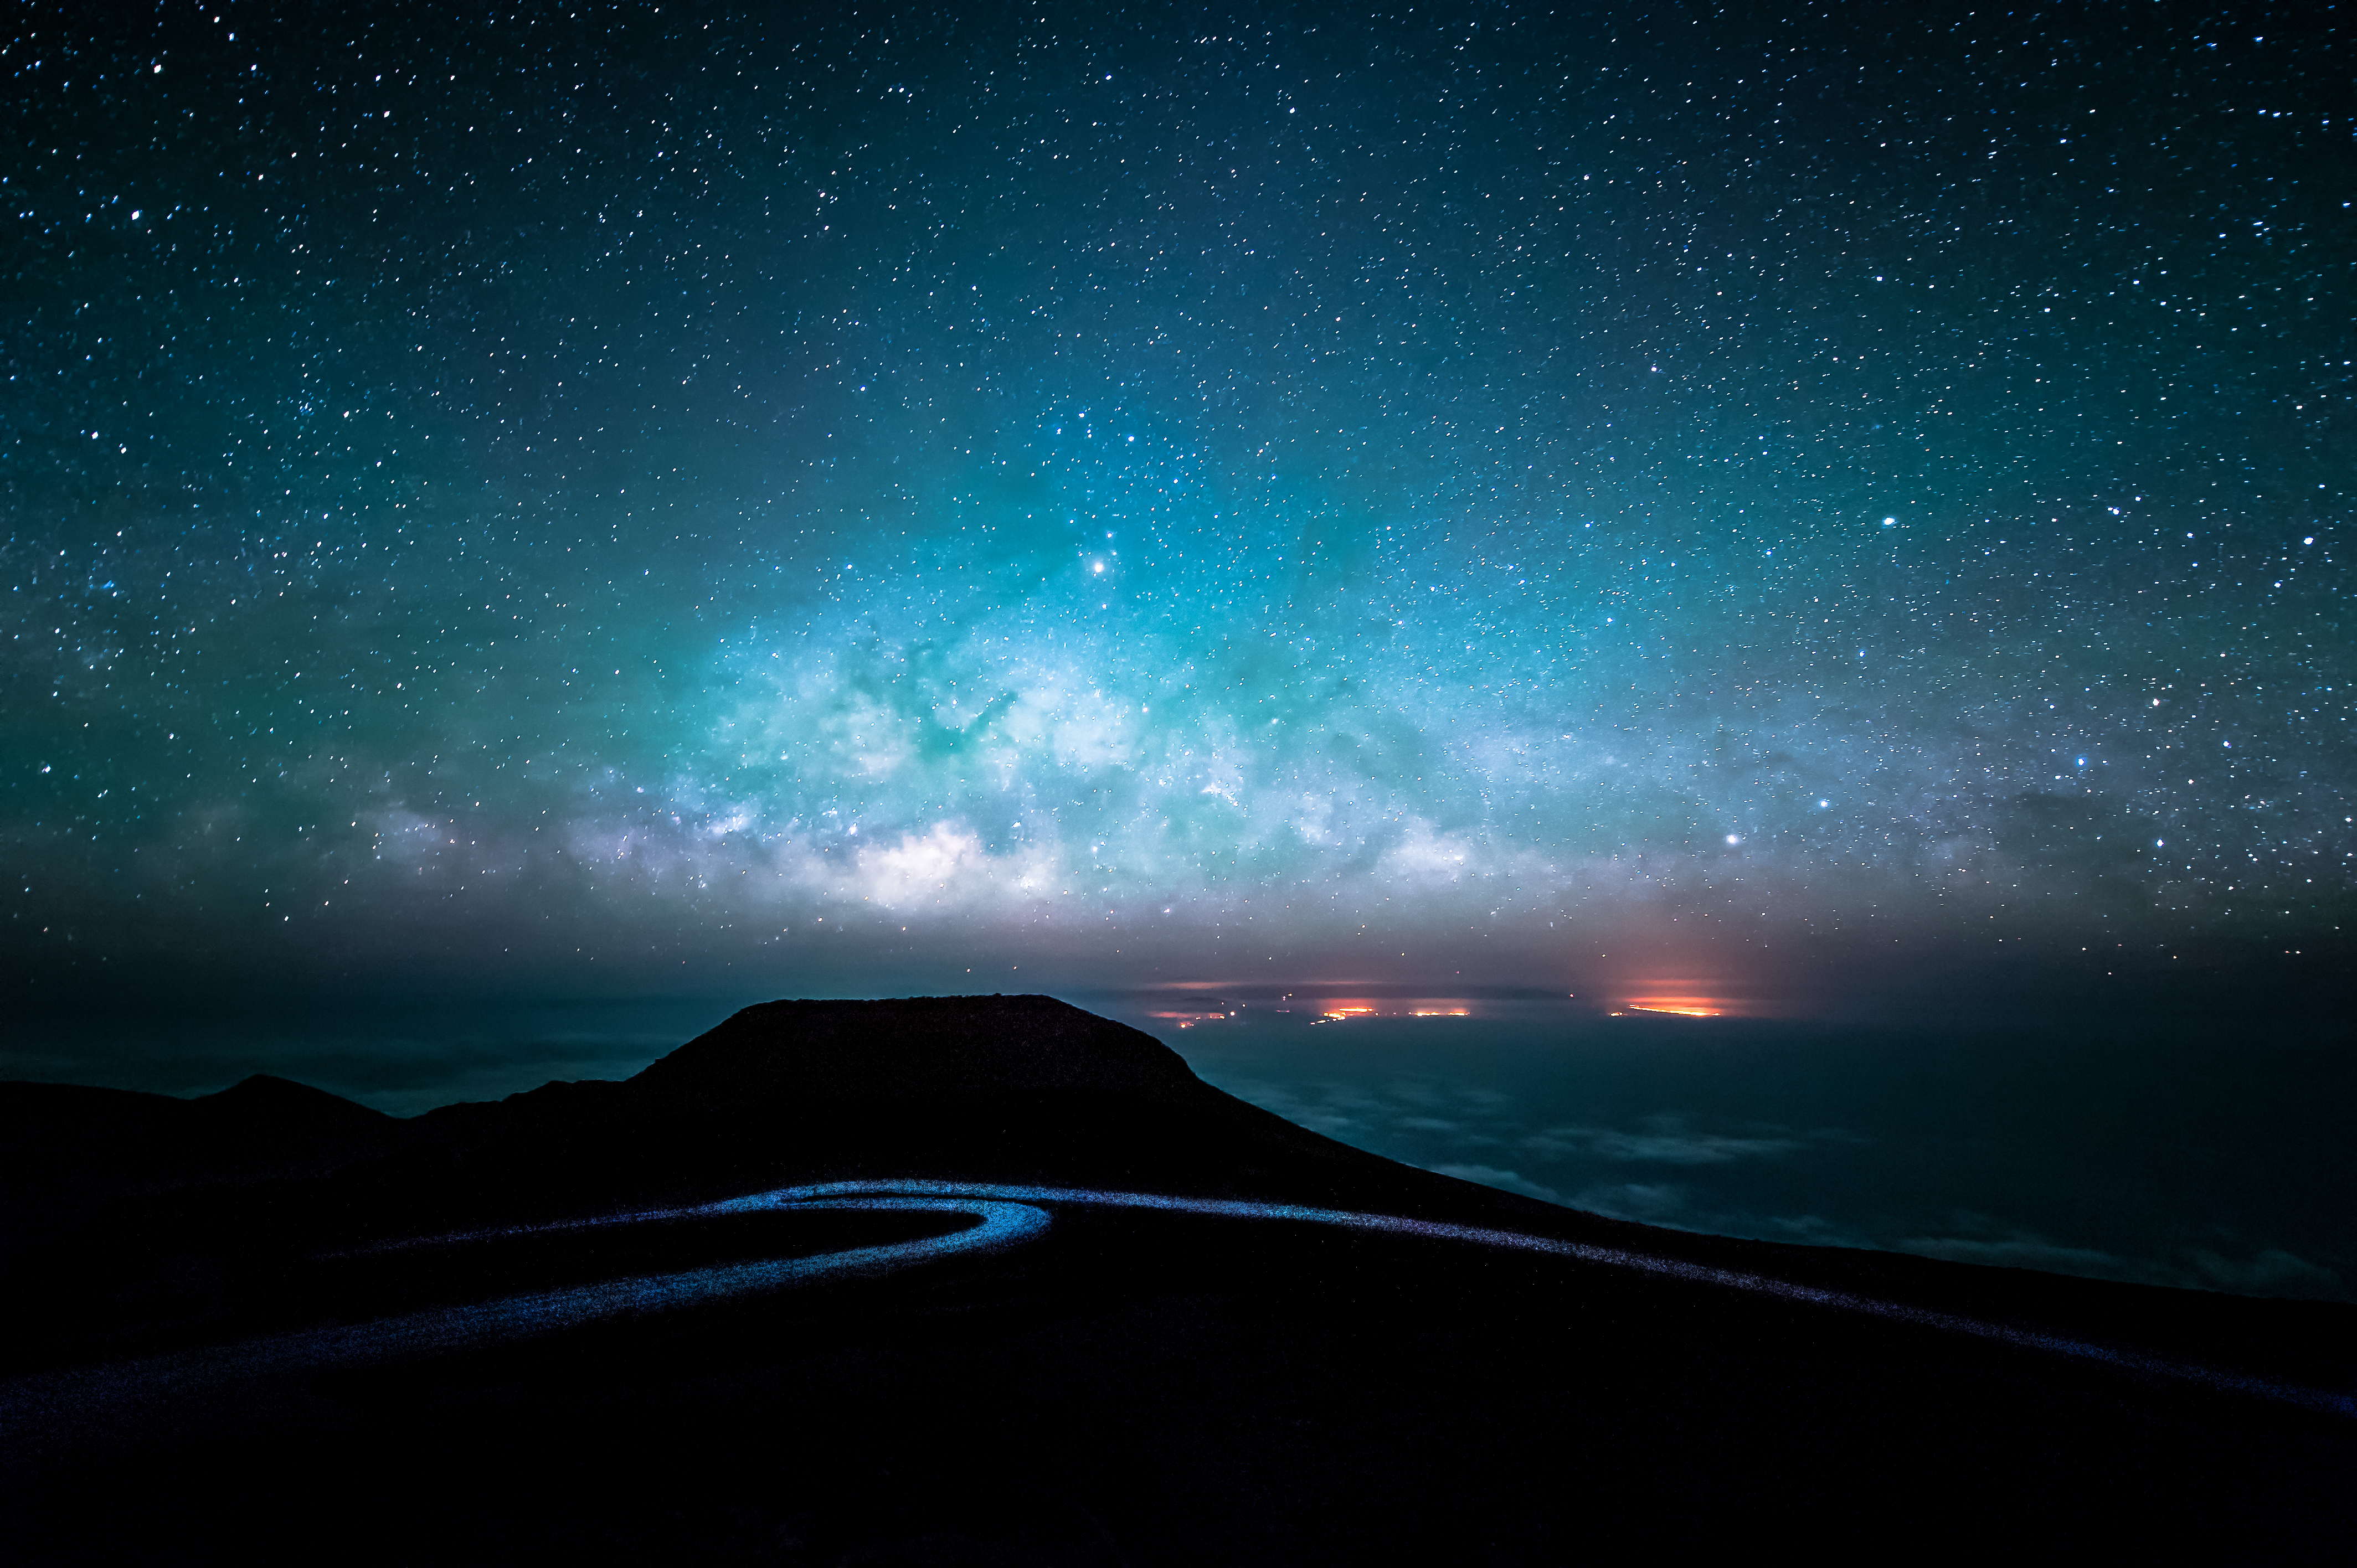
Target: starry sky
{"type": "Point", "coordinates": [1762, 505]}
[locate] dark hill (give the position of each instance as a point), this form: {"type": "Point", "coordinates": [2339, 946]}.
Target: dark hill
{"type": "Point", "coordinates": [166, 1221]}
{"type": "Point", "coordinates": [1133, 1388]}
{"type": "Point", "coordinates": [68, 1152]}
{"type": "Point", "coordinates": [924, 1047]}
{"type": "Point", "coordinates": [1015, 1089]}
{"type": "Point", "coordinates": [999, 1089]}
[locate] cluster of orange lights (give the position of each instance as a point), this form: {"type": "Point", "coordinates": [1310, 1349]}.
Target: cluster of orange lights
{"type": "Point", "coordinates": [1327, 1013]}
{"type": "Point", "coordinates": [1422, 1007]}
{"type": "Point", "coordinates": [1343, 1010]}
{"type": "Point", "coordinates": [1680, 1007]}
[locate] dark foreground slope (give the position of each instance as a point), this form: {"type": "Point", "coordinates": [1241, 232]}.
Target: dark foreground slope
{"type": "Point", "coordinates": [1128, 1388]}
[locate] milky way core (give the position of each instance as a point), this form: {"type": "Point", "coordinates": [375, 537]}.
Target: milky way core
{"type": "Point", "coordinates": [834, 496]}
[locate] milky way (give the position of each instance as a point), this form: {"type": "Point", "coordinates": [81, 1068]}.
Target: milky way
{"type": "Point", "coordinates": [1175, 493]}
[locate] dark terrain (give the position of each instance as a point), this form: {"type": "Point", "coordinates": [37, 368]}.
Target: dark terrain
{"type": "Point", "coordinates": [1133, 1387]}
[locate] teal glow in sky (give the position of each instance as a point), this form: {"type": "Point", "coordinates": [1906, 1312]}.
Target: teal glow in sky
{"type": "Point", "coordinates": [1614, 498]}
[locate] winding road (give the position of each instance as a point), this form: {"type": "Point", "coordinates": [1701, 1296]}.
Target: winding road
{"type": "Point", "coordinates": [1007, 1217]}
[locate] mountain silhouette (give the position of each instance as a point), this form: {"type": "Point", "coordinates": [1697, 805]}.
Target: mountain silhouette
{"type": "Point", "coordinates": [1165, 1385]}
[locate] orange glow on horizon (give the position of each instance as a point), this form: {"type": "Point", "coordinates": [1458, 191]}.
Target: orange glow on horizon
{"type": "Point", "coordinates": [1682, 1006]}
{"type": "Point", "coordinates": [1343, 1009]}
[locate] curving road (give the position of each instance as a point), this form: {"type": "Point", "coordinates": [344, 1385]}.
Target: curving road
{"type": "Point", "coordinates": [1007, 1216]}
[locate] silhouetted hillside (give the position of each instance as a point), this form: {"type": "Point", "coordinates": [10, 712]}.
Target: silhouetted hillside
{"type": "Point", "coordinates": [1132, 1387]}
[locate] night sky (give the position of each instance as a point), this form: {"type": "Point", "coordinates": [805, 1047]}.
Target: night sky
{"type": "Point", "coordinates": [1753, 505]}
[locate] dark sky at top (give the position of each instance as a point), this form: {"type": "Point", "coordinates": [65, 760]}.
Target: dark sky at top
{"type": "Point", "coordinates": [1748, 503]}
